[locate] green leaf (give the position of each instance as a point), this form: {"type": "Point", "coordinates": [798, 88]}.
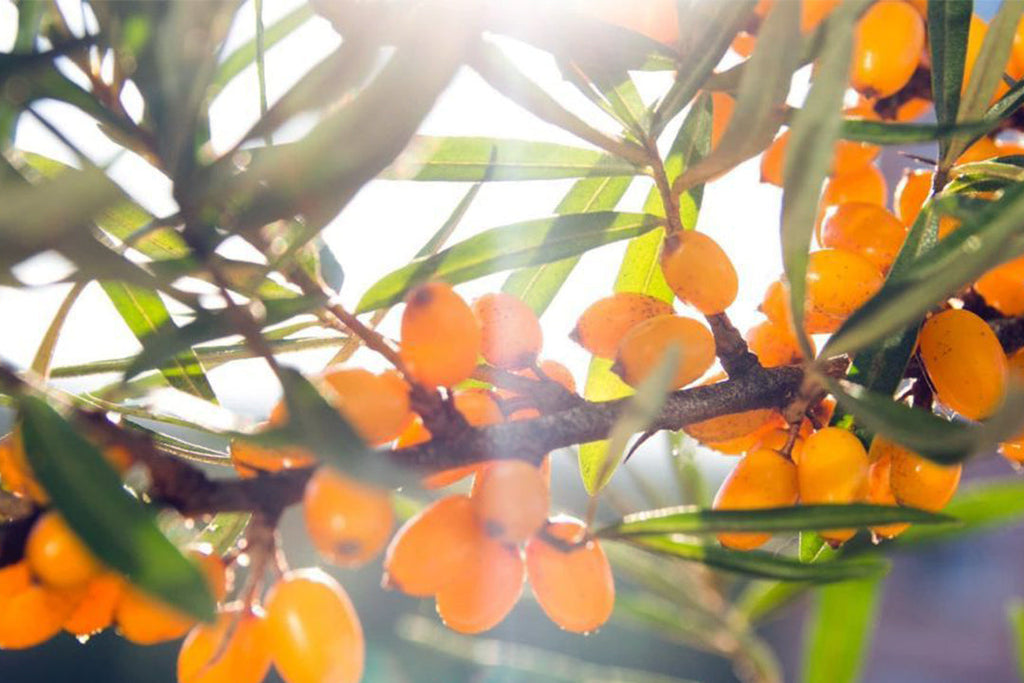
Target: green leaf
{"type": "Point", "coordinates": [814, 131]}
{"type": "Point", "coordinates": [44, 355]}
{"type": "Point", "coordinates": [528, 243]}
{"type": "Point", "coordinates": [113, 524]}
{"type": "Point", "coordinates": [537, 286]}
{"type": "Point", "coordinates": [899, 133]}
{"type": "Point", "coordinates": [979, 506]}
{"type": "Point", "coordinates": [169, 340]}
{"type": "Point", "coordinates": [614, 92]}
{"type": "Point", "coordinates": [691, 520]}
{"type": "Point", "coordinates": [976, 246]}
{"type": "Point", "coordinates": [144, 312]}
{"type": "Point", "coordinates": [478, 158]}
{"type": "Point", "coordinates": [948, 23]}
{"type": "Point", "coordinates": [763, 598]}
{"type": "Point", "coordinates": [842, 608]}
{"type": "Point", "coordinates": [1015, 616]}
{"type": "Point", "coordinates": [760, 564]}
{"type": "Point", "coordinates": [760, 101]}
{"type": "Point", "coordinates": [812, 547]}
{"type": "Point", "coordinates": [987, 71]}
{"type": "Point", "coordinates": [635, 417]}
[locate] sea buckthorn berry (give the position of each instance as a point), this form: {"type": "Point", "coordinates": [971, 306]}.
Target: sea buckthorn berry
{"type": "Point", "coordinates": [511, 500]}
{"type": "Point", "coordinates": [774, 344]}
{"type": "Point", "coordinates": [644, 346]}
{"type": "Point", "coordinates": [848, 157]}
{"type": "Point", "coordinates": [975, 37]}
{"type": "Point", "coordinates": [95, 609]}
{"type": "Point", "coordinates": [773, 160]}
{"type": "Point", "coordinates": [984, 148]}
{"type": "Point", "coordinates": [964, 361]}
{"type": "Point", "coordinates": [57, 557]}
{"type": "Point", "coordinates": [313, 631]}
{"type": "Point", "coordinates": [32, 615]}
{"type": "Point", "coordinates": [732, 426]}
{"type": "Point", "coordinates": [880, 492]}
{"type": "Point", "coordinates": [428, 549]}
{"type": "Point", "coordinates": [918, 482]}
{"type": "Point", "coordinates": [486, 586]}
{"type": "Point", "coordinates": [813, 12]}
{"type": "Point", "coordinates": [775, 306]}
{"type": "Point", "coordinates": [833, 469]}
{"type": "Point", "coordinates": [14, 578]}
{"type": "Point", "coordinates": [912, 109]}
{"type": "Point", "coordinates": [761, 479]}
{"type": "Point", "coordinates": [747, 442]}
{"type": "Point", "coordinates": [206, 658]}
{"type": "Point", "coordinates": [839, 282]}
{"type": "Point", "coordinates": [865, 229]}
{"type": "Point", "coordinates": [911, 193]}
{"type": "Point", "coordinates": [376, 405]}
{"type": "Point", "coordinates": [887, 47]}
{"type": "Point", "coordinates": [1013, 449]}
{"type": "Point", "coordinates": [866, 184]}
{"type": "Point", "coordinates": [510, 332]}
{"type": "Point", "coordinates": [722, 106]}
{"type": "Point", "coordinates": [15, 474]}
{"type": "Point", "coordinates": [348, 522]}
{"type": "Point", "coordinates": [440, 336]}
{"type": "Point", "coordinates": [776, 440]}
{"type": "Point", "coordinates": [554, 371]}
{"type": "Point", "coordinates": [250, 459]}
{"type": "Point", "coordinates": [656, 19]}
{"type": "Point", "coordinates": [699, 271]}
{"type": "Point", "coordinates": [570, 576]}
{"type": "Point", "coordinates": [1003, 290]}
{"type": "Point", "coordinates": [606, 321]}
{"type": "Point", "coordinates": [743, 45]}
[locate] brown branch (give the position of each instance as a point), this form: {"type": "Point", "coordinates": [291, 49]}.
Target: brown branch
{"type": "Point", "coordinates": [731, 348]}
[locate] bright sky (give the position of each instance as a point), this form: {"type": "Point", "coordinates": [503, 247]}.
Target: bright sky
{"type": "Point", "coordinates": [388, 221]}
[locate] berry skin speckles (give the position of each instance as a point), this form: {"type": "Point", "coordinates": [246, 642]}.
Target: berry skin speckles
{"type": "Point", "coordinates": [440, 336]}
{"type": "Point", "coordinates": [699, 272]}
{"type": "Point", "coordinates": [606, 321]}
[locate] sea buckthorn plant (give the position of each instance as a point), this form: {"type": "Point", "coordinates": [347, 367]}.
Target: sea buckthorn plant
{"type": "Point", "coordinates": [437, 431]}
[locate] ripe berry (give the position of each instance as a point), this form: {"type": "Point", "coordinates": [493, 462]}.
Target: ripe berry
{"type": "Point", "coordinates": [510, 332]}
{"type": "Point", "coordinates": [880, 491]}
{"type": "Point", "coordinates": [570, 576]}
{"type": "Point", "coordinates": [722, 106]}
{"type": "Point", "coordinates": [839, 282]}
{"type": "Point", "coordinates": [887, 47]}
{"type": "Point", "coordinates": [833, 469]}
{"type": "Point", "coordinates": [250, 459]}
{"type": "Point", "coordinates": [774, 344]}
{"type": "Point", "coordinates": [728, 427]}
{"type": "Point", "coordinates": [866, 184]}
{"type": "Point", "coordinates": [484, 588]}
{"type": "Point", "coordinates": [1013, 449]}
{"type": "Point", "coordinates": [918, 482]}
{"type": "Point", "coordinates": [377, 406]}
{"type": "Point", "coordinates": [813, 12]}
{"type": "Point", "coordinates": [56, 556]}
{"type": "Point", "coordinates": [554, 371]}
{"type": "Point", "coordinates": [761, 479]}
{"type": "Point", "coordinates": [775, 306]}
{"type": "Point", "coordinates": [313, 631]}
{"type": "Point", "coordinates": [15, 474]}
{"type": "Point", "coordinates": [776, 440]}
{"type": "Point", "coordinates": [428, 549]}
{"type": "Point", "coordinates": [511, 500]}
{"type": "Point", "coordinates": [440, 336]}
{"type": "Point", "coordinates": [348, 522]}
{"type": "Point", "coordinates": [206, 658]}
{"type": "Point", "coordinates": [1002, 289]}
{"type": "Point", "coordinates": [848, 157]}
{"type": "Point", "coordinates": [30, 613]}
{"type": "Point", "coordinates": [964, 361]}
{"type": "Point", "coordinates": [773, 160]}
{"type": "Point", "coordinates": [911, 193]}
{"type": "Point", "coordinates": [699, 271]}
{"type": "Point", "coordinates": [95, 609]}
{"type": "Point", "coordinates": [606, 321]}
{"type": "Point", "coordinates": [865, 229]}
{"type": "Point", "coordinates": [644, 346]}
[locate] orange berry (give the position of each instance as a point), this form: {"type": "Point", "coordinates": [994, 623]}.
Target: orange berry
{"type": "Point", "coordinates": [913, 109]}
{"type": "Point", "coordinates": [556, 372]}
{"type": "Point", "coordinates": [880, 491]}
{"type": "Point", "coordinates": [348, 522]}
{"type": "Point", "coordinates": [722, 106]}
{"type": "Point", "coordinates": [56, 556]}
{"type": "Point", "coordinates": [32, 615]}
{"type": "Point", "coordinates": [911, 192]}
{"type": "Point", "coordinates": [887, 47]}
{"type": "Point", "coordinates": [918, 482]}
{"type": "Point", "coordinates": [728, 427]}
{"type": "Point", "coordinates": [761, 479]}
{"type": "Point", "coordinates": [776, 440]}
{"type": "Point", "coordinates": [426, 551]}
{"type": "Point", "coordinates": [15, 474]}
{"type": "Point", "coordinates": [833, 469]}
{"type": "Point", "coordinates": [865, 229]}
{"type": "Point", "coordinates": [743, 45]}
{"type": "Point", "coordinates": [510, 332]}
{"type": "Point", "coordinates": [848, 157]}
{"type": "Point", "coordinates": [441, 337]}
{"type": "Point", "coordinates": [484, 588]}
{"type": "Point", "coordinates": [205, 657]}
{"type": "Point", "coordinates": [655, 19]}
{"type": "Point", "coordinates": [511, 500]}
{"type": "Point", "coordinates": [570, 576]}
{"type": "Point", "coordinates": [774, 344]}
{"type": "Point", "coordinates": [313, 631]}
{"type": "Point", "coordinates": [606, 321]}
{"type": "Point", "coordinates": [775, 306]}
{"type": "Point", "coordinates": [699, 271]}
{"type": "Point", "coordinates": [813, 12]}
{"type": "Point", "coordinates": [250, 459]}
{"type": "Point", "coordinates": [377, 406]}
{"type": "Point", "coordinates": [839, 282]}
{"type": "Point", "coordinates": [95, 609]}
{"type": "Point", "coordinates": [984, 148]}
{"type": "Point", "coordinates": [1016, 65]}
{"type": "Point", "coordinates": [644, 346]}
{"type": "Point", "coordinates": [1002, 289]}
{"type": "Point", "coordinates": [964, 361]}
{"type": "Point", "coordinates": [773, 160]}
{"type": "Point", "coordinates": [866, 184]}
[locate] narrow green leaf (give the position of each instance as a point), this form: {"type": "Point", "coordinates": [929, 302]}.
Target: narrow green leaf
{"type": "Point", "coordinates": [114, 525]}
{"type": "Point", "coordinates": [760, 101]}
{"type": "Point", "coordinates": [759, 564]}
{"type": "Point", "coordinates": [614, 92]}
{"type": "Point", "coordinates": [537, 286]}
{"type": "Point", "coordinates": [144, 312]}
{"type": "Point", "coordinates": [979, 506]}
{"type": "Point", "coordinates": [44, 354]}
{"type": "Point", "coordinates": [976, 246]}
{"type": "Point", "coordinates": [1015, 615]}
{"type": "Point", "coordinates": [168, 340]}
{"type": "Point", "coordinates": [528, 243]}
{"type": "Point", "coordinates": [948, 23]}
{"type": "Point", "coordinates": [478, 158]}
{"type": "Point", "coordinates": [842, 608]}
{"type": "Point", "coordinates": [762, 598]}
{"type": "Point", "coordinates": [691, 520]}
{"type": "Point", "coordinates": [899, 133]}
{"type": "Point", "coordinates": [811, 547]}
